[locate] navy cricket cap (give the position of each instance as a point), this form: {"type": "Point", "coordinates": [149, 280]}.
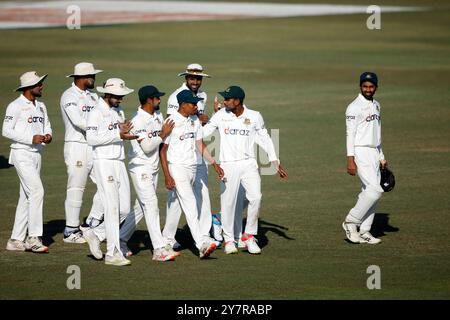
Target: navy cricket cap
{"type": "Point", "coordinates": [368, 76]}
{"type": "Point", "coordinates": [149, 92]}
{"type": "Point", "coordinates": [233, 92]}
{"type": "Point", "coordinates": [186, 96]}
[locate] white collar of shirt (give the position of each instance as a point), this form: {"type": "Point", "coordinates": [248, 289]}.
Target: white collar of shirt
{"type": "Point", "coordinates": [362, 99]}
{"type": "Point", "coordinates": [78, 90]}
{"type": "Point", "coordinates": [103, 106]}
{"type": "Point", "coordinates": [147, 116]}
{"type": "Point", "coordinates": [180, 117]}
{"type": "Point", "coordinates": [243, 114]}
{"type": "Point", "coordinates": [25, 100]}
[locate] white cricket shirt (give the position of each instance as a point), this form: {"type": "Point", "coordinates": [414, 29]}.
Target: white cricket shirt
{"type": "Point", "coordinates": [239, 134]}
{"type": "Point", "coordinates": [75, 105]}
{"type": "Point", "coordinates": [23, 120]}
{"type": "Point", "coordinates": [103, 132]}
{"type": "Point", "coordinates": [363, 125]}
{"type": "Point", "coordinates": [182, 141]}
{"type": "Point", "coordinates": [148, 127]}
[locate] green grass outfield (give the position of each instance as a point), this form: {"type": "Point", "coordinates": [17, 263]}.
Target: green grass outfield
{"type": "Point", "coordinates": [300, 73]}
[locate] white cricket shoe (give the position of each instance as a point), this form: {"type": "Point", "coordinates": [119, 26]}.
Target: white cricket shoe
{"type": "Point", "coordinates": [125, 250]}
{"type": "Point", "coordinates": [230, 247]}
{"type": "Point", "coordinates": [94, 243]}
{"type": "Point", "coordinates": [15, 245]}
{"type": "Point", "coordinates": [250, 242]}
{"type": "Point", "coordinates": [241, 244]}
{"type": "Point", "coordinates": [75, 237]}
{"type": "Point", "coordinates": [169, 249]}
{"type": "Point", "coordinates": [162, 254]}
{"type": "Point", "coordinates": [34, 244]}
{"type": "Point", "coordinates": [367, 237]}
{"type": "Point", "coordinates": [117, 260]}
{"type": "Point", "coordinates": [351, 231]}
{"type": "Point", "coordinates": [206, 249]}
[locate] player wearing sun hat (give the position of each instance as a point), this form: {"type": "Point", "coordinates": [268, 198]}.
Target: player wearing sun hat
{"type": "Point", "coordinates": [27, 124]}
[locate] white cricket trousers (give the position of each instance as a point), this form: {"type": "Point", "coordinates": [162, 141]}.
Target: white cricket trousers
{"type": "Point", "coordinates": [184, 196]}
{"type": "Point", "coordinates": [245, 173]}
{"type": "Point", "coordinates": [31, 195]}
{"type": "Point", "coordinates": [78, 159]}
{"type": "Point", "coordinates": [368, 165]}
{"type": "Point", "coordinates": [203, 203]}
{"type": "Point", "coordinates": [114, 190]}
{"type": "Point", "coordinates": [145, 181]}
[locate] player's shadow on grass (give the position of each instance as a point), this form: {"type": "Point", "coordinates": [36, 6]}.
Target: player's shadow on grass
{"type": "Point", "coordinates": [264, 227]}
{"type": "Point", "coordinates": [381, 225]}
{"type": "Point", "coordinates": [140, 241]}
{"type": "Point", "coordinates": [4, 163]}
{"type": "Point", "coordinates": [51, 229]}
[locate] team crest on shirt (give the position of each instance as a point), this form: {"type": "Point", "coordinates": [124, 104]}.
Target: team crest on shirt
{"type": "Point", "coordinates": [157, 120]}
{"type": "Point", "coordinates": [247, 121]}
{"type": "Point", "coordinates": [144, 176]}
{"type": "Point", "coordinates": [192, 123]}
{"type": "Point", "coordinates": [110, 179]}
{"type": "Point", "coordinates": [79, 164]}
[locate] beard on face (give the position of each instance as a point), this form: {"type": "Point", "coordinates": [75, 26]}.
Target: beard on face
{"type": "Point", "coordinates": [90, 84]}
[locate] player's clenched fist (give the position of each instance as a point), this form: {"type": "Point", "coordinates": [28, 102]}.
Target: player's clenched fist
{"type": "Point", "coordinates": [47, 138]}
{"type": "Point", "coordinates": [219, 170]}
{"type": "Point", "coordinates": [38, 138]}
{"type": "Point", "coordinates": [170, 183]}
{"type": "Point", "coordinates": [351, 166]}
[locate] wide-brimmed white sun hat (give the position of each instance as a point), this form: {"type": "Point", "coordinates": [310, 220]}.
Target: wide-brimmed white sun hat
{"type": "Point", "coordinates": [84, 69]}
{"type": "Point", "coordinates": [29, 79]}
{"type": "Point", "coordinates": [115, 86]}
{"type": "Point", "coordinates": [194, 69]}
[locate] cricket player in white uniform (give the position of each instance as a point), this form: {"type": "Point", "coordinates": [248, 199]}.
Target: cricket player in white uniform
{"type": "Point", "coordinates": [27, 124]}
{"type": "Point", "coordinates": [239, 129]}
{"type": "Point", "coordinates": [364, 156]}
{"type": "Point", "coordinates": [105, 133]}
{"type": "Point", "coordinates": [179, 160]}
{"type": "Point", "coordinates": [76, 103]}
{"type": "Point", "coordinates": [143, 165]}
{"type": "Point", "coordinates": [193, 80]}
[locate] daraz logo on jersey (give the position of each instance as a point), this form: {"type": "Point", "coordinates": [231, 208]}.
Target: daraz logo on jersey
{"type": "Point", "coordinates": [35, 119]}
{"type": "Point", "coordinates": [241, 132]}
{"type": "Point", "coordinates": [373, 117]}
{"type": "Point", "coordinates": [153, 134]}
{"type": "Point", "coordinates": [87, 108]}
{"type": "Point", "coordinates": [187, 135]}
{"type": "Point", "coordinates": [113, 126]}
